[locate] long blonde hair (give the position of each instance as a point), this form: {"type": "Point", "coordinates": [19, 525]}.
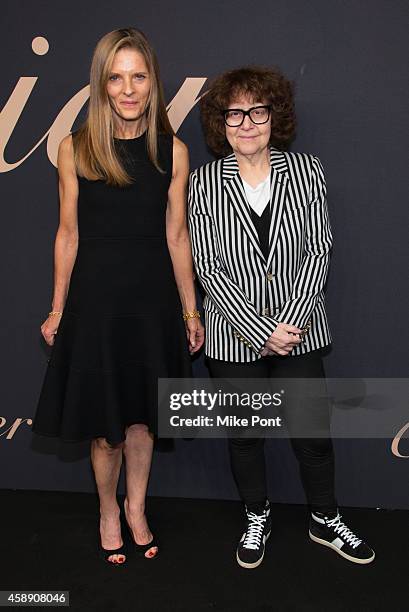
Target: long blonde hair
{"type": "Point", "coordinates": [94, 147]}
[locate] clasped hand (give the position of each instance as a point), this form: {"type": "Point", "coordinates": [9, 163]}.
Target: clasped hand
{"type": "Point", "coordinates": [282, 340]}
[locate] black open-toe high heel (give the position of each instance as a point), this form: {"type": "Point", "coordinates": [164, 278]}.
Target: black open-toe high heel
{"type": "Point", "coordinates": [105, 554]}
{"type": "Point", "coordinates": [141, 549]}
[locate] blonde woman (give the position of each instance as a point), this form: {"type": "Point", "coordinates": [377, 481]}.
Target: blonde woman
{"type": "Point", "coordinates": [124, 298]}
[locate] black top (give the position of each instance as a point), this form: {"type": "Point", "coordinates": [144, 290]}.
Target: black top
{"type": "Point", "coordinates": [136, 210]}
{"type": "Point", "coordinates": [262, 225]}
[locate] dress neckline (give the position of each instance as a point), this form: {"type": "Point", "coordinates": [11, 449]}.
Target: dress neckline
{"type": "Point", "coordinates": [130, 139]}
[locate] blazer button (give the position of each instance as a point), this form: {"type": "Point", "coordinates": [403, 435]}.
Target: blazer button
{"type": "Point", "coordinates": [270, 276]}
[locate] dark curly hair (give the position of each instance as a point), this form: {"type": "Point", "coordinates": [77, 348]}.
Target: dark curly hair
{"type": "Point", "coordinates": [258, 83]}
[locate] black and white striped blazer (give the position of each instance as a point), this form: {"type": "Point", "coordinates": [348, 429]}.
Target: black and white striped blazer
{"type": "Point", "coordinates": [247, 296]}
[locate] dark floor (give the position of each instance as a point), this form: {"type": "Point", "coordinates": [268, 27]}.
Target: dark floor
{"type": "Point", "coordinates": [49, 541]}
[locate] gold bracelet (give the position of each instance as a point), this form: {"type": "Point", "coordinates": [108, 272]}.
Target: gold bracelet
{"type": "Point", "coordinates": [54, 312]}
{"type": "Point", "coordinates": [195, 314]}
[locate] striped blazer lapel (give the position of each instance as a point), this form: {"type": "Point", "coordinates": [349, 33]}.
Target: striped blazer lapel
{"type": "Point", "coordinates": [279, 180]}
{"type": "Point", "coordinates": [236, 194]}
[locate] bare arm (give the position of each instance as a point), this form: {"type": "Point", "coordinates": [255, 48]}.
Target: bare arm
{"type": "Point", "coordinates": [179, 242]}
{"type": "Point", "coordinates": [66, 242]}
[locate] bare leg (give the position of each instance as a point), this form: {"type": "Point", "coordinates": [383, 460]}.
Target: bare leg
{"type": "Point", "coordinates": [106, 461]}
{"type": "Point", "coordinates": [138, 454]}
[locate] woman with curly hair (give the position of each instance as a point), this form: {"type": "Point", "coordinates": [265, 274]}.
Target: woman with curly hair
{"type": "Point", "coordinates": [261, 242]}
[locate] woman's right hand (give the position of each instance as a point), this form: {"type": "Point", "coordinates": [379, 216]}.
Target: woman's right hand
{"type": "Point", "coordinates": [50, 327]}
{"type": "Point", "coordinates": [283, 339]}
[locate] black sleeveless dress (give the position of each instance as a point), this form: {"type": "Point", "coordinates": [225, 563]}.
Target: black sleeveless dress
{"type": "Point", "coordinates": [122, 324]}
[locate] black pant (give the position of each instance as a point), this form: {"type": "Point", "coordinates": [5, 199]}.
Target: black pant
{"type": "Point", "coordinates": [315, 455]}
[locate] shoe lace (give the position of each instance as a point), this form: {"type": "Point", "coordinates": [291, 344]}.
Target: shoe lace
{"type": "Point", "coordinates": [340, 528]}
{"type": "Point", "coordinates": [254, 530]}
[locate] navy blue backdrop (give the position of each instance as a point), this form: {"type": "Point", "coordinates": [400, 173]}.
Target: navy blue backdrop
{"type": "Point", "coordinates": [347, 59]}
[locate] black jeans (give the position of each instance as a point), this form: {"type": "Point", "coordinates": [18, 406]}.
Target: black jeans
{"type": "Point", "coordinates": [315, 455]}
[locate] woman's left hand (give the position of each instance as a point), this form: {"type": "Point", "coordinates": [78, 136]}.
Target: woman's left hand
{"type": "Point", "coordinates": [265, 352]}
{"type": "Point", "coordinates": [195, 334]}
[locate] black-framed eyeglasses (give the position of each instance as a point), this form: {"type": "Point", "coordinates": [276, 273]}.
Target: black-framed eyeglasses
{"type": "Point", "coordinates": [234, 117]}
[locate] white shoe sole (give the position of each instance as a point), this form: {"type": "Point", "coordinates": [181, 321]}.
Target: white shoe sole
{"type": "Point", "coordinates": [252, 565]}
{"type": "Point", "coordinates": [340, 552]}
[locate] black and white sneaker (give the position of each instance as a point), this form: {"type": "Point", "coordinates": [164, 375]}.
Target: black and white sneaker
{"type": "Point", "coordinates": [332, 532]}
{"type": "Point", "coordinates": [250, 551]}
